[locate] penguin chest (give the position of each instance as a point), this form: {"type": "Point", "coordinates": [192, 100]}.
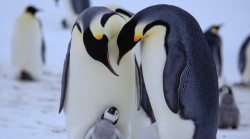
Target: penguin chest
{"type": "Point", "coordinates": [92, 88]}
{"type": "Point", "coordinates": [26, 45]}
{"type": "Point", "coordinates": [153, 61]}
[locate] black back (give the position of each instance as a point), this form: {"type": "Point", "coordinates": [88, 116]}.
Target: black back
{"type": "Point", "coordinates": [242, 55]}
{"type": "Point", "coordinates": [214, 41]}
{"type": "Point", "coordinates": [189, 78]}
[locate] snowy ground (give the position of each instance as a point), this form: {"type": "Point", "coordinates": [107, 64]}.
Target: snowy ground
{"type": "Point", "coordinates": [30, 109]}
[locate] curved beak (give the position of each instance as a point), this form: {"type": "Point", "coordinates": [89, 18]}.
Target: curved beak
{"type": "Point", "coordinates": [110, 67]}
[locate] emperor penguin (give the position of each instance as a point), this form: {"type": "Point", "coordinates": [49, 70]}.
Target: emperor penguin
{"type": "Point", "coordinates": [105, 128]}
{"type": "Point", "coordinates": [28, 47]}
{"type": "Point", "coordinates": [229, 114]}
{"type": "Point", "coordinates": [73, 8]}
{"type": "Point", "coordinates": [244, 62]}
{"type": "Point", "coordinates": [143, 117]}
{"type": "Point", "coordinates": [214, 41]}
{"type": "Point", "coordinates": [92, 80]}
{"type": "Point", "coordinates": [178, 69]}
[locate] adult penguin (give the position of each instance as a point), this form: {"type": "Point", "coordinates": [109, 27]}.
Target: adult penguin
{"type": "Point", "coordinates": [244, 62]}
{"type": "Point", "coordinates": [214, 41]}
{"type": "Point", "coordinates": [73, 9]}
{"type": "Point", "coordinates": [90, 81]}
{"type": "Point", "coordinates": [143, 117]}
{"type": "Point", "coordinates": [28, 47]}
{"type": "Point", "coordinates": [178, 69]}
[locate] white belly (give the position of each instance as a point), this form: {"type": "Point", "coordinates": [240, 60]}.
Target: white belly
{"type": "Point", "coordinates": [26, 46]}
{"type": "Point", "coordinates": [169, 125]}
{"type": "Point", "coordinates": [246, 73]}
{"type": "Point", "coordinates": [92, 88]}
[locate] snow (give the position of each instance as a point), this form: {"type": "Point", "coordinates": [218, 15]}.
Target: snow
{"type": "Point", "coordinates": [30, 109]}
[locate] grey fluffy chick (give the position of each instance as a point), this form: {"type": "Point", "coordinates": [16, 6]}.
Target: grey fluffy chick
{"type": "Point", "coordinates": [105, 128]}
{"type": "Point", "coordinates": [228, 111]}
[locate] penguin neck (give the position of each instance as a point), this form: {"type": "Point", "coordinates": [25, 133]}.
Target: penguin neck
{"type": "Point", "coordinates": [113, 53]}
{"type": "Point", "coordinates": [153, 58]}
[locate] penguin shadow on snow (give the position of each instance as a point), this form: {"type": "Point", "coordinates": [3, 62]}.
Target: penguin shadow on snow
{"type": "Point", "coordinates": [228, 111]}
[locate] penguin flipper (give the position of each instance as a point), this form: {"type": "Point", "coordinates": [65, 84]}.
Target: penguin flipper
{"type": "Point", "coordinates": [64, 78]}
{"type": "Point", "coordinates": [43, 51]}
{"type": "Point", "coordinates": [175, 63]}
{"type": "Point", "coordinates": [138, 84]}
{"type": "Point", "coordinates": [242, 55]}
{"type": "Point", "coordinates": [145, 103]}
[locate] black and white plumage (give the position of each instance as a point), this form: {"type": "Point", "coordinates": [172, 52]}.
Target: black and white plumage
{"type": "Point", "coordinates": [215, 42]}
{"type": "Point", "coordinates": [105, 127]}
{"type": "Point", "coordinates": [73, 9]}
{"type": "Point", "coordinates": [178, 69]}
{"type": "Point", "coordinates": [229, 114]}
{"type": "Point", "coordinates": [244, 61]}
{"type": "Point", "coordinates": [92, 80]}
{"type": "Point", "coordinates": [28, 47]}
{"type": "Point", "coordinates": [144, 116]}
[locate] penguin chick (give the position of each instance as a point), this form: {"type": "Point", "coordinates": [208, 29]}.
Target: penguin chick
{"type": "Point", "coordinates": [105, 128]}
{"type": "Point", "coordinates": [228, 111]}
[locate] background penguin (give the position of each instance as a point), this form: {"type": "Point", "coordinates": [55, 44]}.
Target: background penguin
{"type": "Point", "coordinates": [244, 62]}
{"type": "Point", "coordinates": [28, 47]}
{"type": "Point", "coordinates": [215, 43]}
{"type": "Point", "coordinates": [143, 117]}
{"type": "Point", "coordinates": [89, 83]}
{"type": "Point", "coordinates": [178, 69]}
{"type": "Point", "coordinates": [73, 9]}
{"type": "Point", "coordinates": [228, 111]}
{"type": "Point", "coordinates": [105, 128]}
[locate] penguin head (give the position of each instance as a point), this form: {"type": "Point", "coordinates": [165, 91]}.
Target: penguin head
{"type": "Point", "coordinates": [225, 90]}
{"type": "Point", "coordinates": [111, 114]}
{"type": "Point", "coordinates": [134, 30]}
{"type": "Point", "coordinates": [120, 10]}
{"type": "Point", "coordinates": [215, 29]}
{"type": "Point", "coordinates": [32, 10]}
{"type": "Point", "coordinates": [226, 95]}
{"type": "Point", "coordinates": [98, 25]}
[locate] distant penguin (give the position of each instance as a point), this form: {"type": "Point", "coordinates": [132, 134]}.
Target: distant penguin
{"type": "Point", "coordinates": [28, 47]}
{"type": "Point", "coordinates": [244, 62]}
{"type": "Point", "coordinates": [73, 9]}
{"type": "Point", "coordinates": [228, 111]}
{"type": "Point", "coordinates": [92, 80]}
{"type": "Point", "coordinates": [105, 128]}
{"type": "Point", "coordinates": [143, 117]}
{"type": "Point", "coordinates": [214, 41]}
{"type": "Point", "coordinates": [178, 69]}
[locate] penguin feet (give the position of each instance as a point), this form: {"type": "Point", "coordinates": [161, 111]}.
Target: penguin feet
{"type": "Point", "coordinates": [25, 76]}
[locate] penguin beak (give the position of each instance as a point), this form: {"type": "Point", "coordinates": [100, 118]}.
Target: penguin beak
{"type": "Point", "coordinates": [110, 67]}
{"type": "Point", "coordinates": [126, 48]}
